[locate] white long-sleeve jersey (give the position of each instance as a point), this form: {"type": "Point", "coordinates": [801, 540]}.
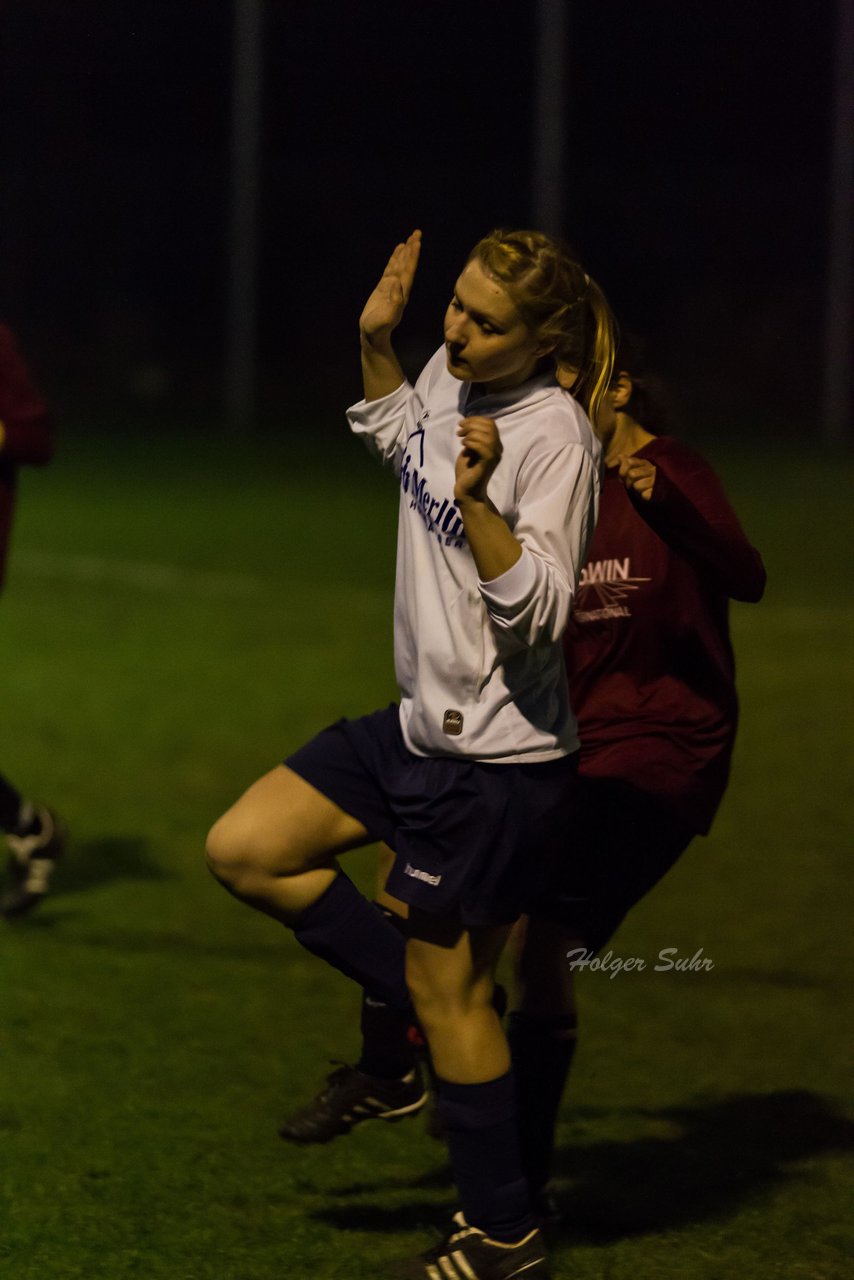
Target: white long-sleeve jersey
{"type": "Point", "coordinates": [479, 664]}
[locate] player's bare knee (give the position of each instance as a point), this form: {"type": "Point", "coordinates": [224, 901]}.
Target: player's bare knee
{"type": "Point", "coordinates": [441, 1004]}
{"type": "Point", "coordinates": [246, 856]}
{"type": "Point", "coordinates": [223, 854]}
{"type": "Point", "coordinates": [235, 853]}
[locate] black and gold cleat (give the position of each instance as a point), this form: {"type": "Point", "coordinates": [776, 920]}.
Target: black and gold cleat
{"type": "Point", "coordinates": [469, 1254]}
{"type": "Point", "coordinates": [349, 1097]}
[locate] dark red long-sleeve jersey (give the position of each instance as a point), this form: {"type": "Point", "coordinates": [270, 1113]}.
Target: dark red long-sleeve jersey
{"type": "Point", "coordinates": [650, 663]}
{"type": "Point", "coordinates": [25, 431]}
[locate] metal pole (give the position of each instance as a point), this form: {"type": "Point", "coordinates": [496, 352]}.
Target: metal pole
{"type": "Point", "coordinates": [548, 143]}
{"type": "Point", "coordinates": [243, 222]}
{"type": "Point", "coordinates": [840, 280]}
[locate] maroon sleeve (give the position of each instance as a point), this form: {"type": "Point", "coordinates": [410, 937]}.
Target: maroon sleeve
{"type": "Point", "coordinates": [689, 510]}
{"type": "Point", "coordinates": [27, 435]}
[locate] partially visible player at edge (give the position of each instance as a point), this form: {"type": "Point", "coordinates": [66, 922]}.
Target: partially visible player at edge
{"type": "Point", "coordinates": [652, 680]}
{"type": "Point", "coordinates": [652, 684]}
{"type": "Point", "coordinates": [32, 832]}
{"type": "Point", "coordinates": [470, 778]}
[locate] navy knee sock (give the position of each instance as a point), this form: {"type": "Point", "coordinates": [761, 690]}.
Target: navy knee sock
{"type": "Point", "coordinates": [541, 1050]}
{"type": "Point", "coordinates": [344, 929]}
{"type": "Point", "coordinates": [480, 1126]}
{"type": "Point", "coordinates": [387, 1050]}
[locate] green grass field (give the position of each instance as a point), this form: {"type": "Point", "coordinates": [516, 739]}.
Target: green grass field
{"type": "Point", "coordinates": [178, 616]}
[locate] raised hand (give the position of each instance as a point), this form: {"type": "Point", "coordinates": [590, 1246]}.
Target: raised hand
{"type": "Point", "coordinates": [637, 474]}
{"type": "Point", "coordinates": [385, 307]}
{"type": "Point", "coordinates": [480, 455]}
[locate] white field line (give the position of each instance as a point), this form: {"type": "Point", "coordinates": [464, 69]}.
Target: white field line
{"type": "Point", "coordinates": [170, 578]}
{"type": "Point", "coordinates": [139, 574]}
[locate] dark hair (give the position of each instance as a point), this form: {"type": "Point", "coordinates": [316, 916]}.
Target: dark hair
{"type": "Point", "coordinates": [650, 403]}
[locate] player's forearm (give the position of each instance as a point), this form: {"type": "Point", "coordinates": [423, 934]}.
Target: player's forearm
{"type": "Point", "coordinates": [702, 527]}
{"type": "Point", "coordinates": [493, 546]}
{"type": "Point", "coordinates": [381, 370]}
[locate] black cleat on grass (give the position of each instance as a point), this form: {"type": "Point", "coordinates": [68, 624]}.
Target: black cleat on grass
{"type": "Point", "coordinates": [468, 1254]}
{"type": "Point", "coordinates": [31, 864]}
{"type": "Point", "coordinates": [351, 1096]}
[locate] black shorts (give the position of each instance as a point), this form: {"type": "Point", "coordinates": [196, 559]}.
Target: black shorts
{"type": "Point", "coordinates": [629, 841]}
{"type": "Point", "coordinates": [477, 841]}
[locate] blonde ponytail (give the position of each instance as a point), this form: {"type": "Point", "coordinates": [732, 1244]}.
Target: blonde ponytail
{"type": "Point", "coordinates": [595, 377]}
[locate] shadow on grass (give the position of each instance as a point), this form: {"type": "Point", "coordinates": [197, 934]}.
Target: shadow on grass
{"type": "Point", "coordinates": [723, 1154]}
{"type": "Point", "coordinates": [108, 858]}
{"type": "Point", "coordinates": [403, 1218]}
{"type": "Point", "coordinates": [720, 1155]}
{"type": "Point", "coordinates": [87, 864]}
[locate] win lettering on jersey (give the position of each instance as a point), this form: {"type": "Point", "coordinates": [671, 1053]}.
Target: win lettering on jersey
{"type": "Point", "coordinates": [603, 590]}
{"type": "Point", "coordinates": [605, 571]}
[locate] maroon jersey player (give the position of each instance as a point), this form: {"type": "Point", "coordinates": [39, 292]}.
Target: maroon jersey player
{"type": "Point", "coordinates": [652, 681]}
{"type": "Point", "coordinates": [648, 642]}
{"type": "Point", "coordinates": [26, 438]}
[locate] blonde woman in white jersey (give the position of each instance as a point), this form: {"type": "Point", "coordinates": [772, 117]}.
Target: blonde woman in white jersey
{"type": "Point", "coordinates": [469, 778]}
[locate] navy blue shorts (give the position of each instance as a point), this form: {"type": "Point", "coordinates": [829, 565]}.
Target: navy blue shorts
{"type": "Point", "coordinates": [473, 840]}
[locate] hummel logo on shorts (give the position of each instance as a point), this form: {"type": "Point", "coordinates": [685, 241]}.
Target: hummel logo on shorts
{"type": "Point", "coordinates": [417, 874]}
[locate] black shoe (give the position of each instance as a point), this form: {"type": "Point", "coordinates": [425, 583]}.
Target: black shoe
{"type": "Point", "coordinates": [351, 1096]}
{"type": "Point", "coordinates": [30, 867]}
{"type": "Point", "coordinates": [468, 1254]}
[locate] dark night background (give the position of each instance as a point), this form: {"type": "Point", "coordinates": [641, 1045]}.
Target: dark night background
{"type": "Point", "coordinates": [698, 139]}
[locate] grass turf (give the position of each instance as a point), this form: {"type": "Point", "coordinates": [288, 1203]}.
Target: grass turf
{"type": "Point", "coordinates": [179, 614]}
